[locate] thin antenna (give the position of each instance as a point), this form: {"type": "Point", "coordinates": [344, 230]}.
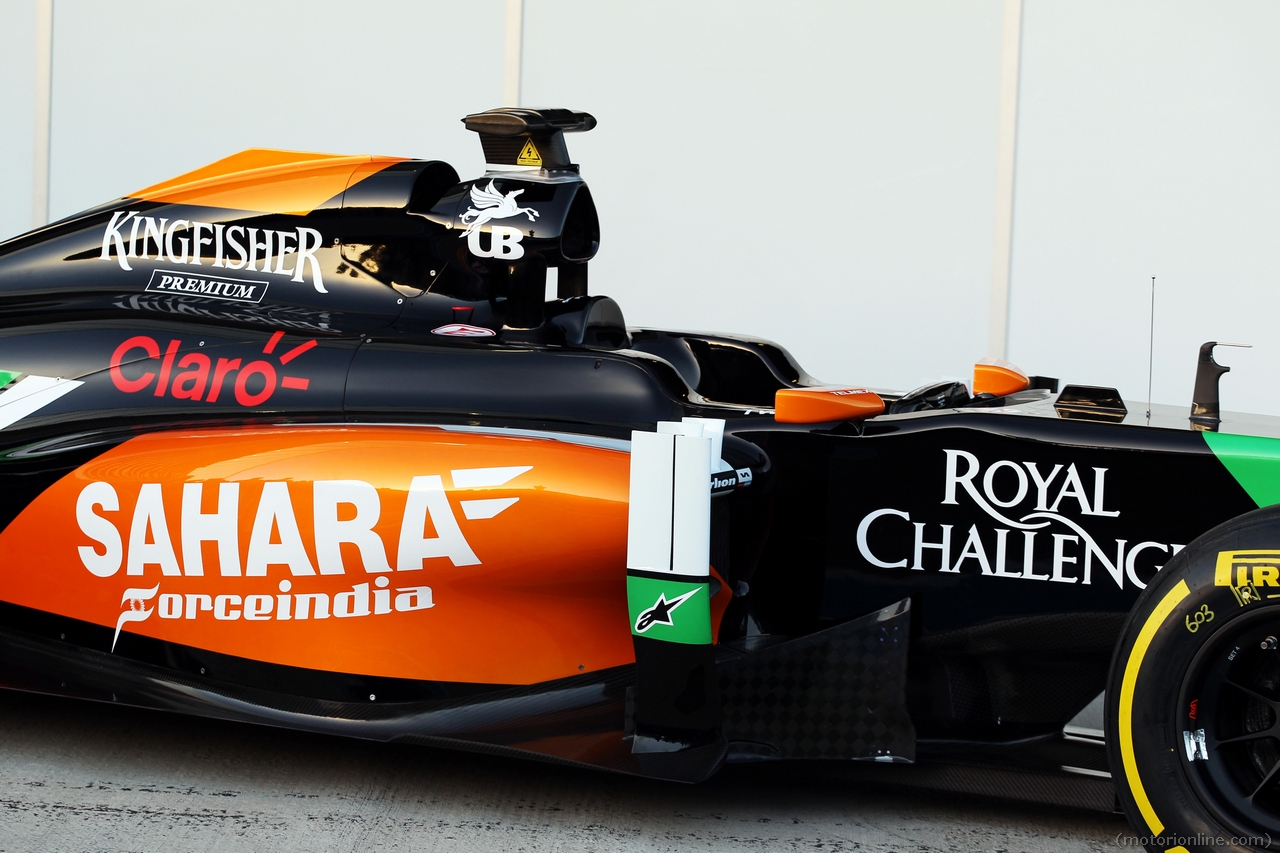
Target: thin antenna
{"type": "Point", "coordinates": [1151, 347]}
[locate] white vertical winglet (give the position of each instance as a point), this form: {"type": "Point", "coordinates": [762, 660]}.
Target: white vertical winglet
{"type": "Point", "coordinates": [31, 394]}
{"type": "Point", "coordinates": [691, 510]}
{"type": "Point", "coordinates": [713, 428]}
{"type": "Point", "coordinates": [649, 507]}
{"type": "Point", "coordinates": [688, 426]}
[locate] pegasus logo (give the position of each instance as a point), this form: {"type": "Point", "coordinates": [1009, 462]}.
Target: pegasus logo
{"type": "Point", "coordinates": [660, 612]}
{"type": "Point", "coordinates": [488, 204]}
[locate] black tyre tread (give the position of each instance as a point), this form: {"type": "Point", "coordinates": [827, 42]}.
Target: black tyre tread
{"type": "Point", "coordinates": [1185, 818]}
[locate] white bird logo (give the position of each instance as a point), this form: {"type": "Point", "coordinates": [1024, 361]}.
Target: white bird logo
{"type": "Point", "coordinates": [488, 204]}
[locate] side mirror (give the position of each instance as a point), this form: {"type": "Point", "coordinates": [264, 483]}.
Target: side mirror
{"type": "Point", "coordinates": [998, 378]}
{"type": "Point", "coordinates": [821, 405]}
{"type": "Point", "coordinates": [1205, 410]}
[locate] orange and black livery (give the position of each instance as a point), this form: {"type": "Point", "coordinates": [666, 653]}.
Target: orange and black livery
{"type": "Point", "coordinates": [299, 439]}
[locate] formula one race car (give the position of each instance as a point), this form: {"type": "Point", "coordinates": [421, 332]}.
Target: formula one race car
{"type": "Point", "coordinates": [298, 439]}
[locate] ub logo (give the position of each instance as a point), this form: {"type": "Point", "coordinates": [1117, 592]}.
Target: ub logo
{"type": "Point", "coordinates": [488, 204]}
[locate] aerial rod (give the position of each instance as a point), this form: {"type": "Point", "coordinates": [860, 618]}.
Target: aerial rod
{"type": "Point", "coordinates": [1151, 344]}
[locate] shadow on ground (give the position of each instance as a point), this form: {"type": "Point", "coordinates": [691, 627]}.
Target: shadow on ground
{"type": "Point", "coordinates": [77, 776]}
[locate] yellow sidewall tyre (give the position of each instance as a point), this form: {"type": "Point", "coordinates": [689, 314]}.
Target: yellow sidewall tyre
{"type": "Point", "coordinates": [1193, 699]}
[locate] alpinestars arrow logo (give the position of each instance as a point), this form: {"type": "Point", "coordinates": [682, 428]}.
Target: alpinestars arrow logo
{"type": "Point", "coordinates": [660, 612]}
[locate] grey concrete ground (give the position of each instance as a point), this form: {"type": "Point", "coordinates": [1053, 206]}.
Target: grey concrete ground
{"type": "Point", "coordinates": [84, 777]}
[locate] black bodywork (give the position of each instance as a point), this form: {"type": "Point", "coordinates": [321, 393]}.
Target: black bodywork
{"type": "Point", "coordinates": [944, 630]}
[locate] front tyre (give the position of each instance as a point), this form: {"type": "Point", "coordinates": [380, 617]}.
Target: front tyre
{"type": "Point", "coordinates": [1193, 700]}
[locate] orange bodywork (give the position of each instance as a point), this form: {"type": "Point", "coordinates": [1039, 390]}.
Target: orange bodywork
{"type": "Point", "coordinates": [268, 181]}
{"type": "Point", "coordinates": [820, 405]}
{"type": "Point", "coordinates": [432, 554]}
{"type": "Point", "coordinates": [998, 378]}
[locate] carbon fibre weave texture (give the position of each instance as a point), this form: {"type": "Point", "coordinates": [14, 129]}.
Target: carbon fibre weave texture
{"type": "Point", "coordinates": [839, 693]}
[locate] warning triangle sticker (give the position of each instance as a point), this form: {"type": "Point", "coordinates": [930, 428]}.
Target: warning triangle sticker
{"type": "Point", "coordinates": [529, 155]}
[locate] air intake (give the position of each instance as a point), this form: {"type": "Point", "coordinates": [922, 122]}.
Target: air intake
{"type": "Point", "coordinates": [519, 138]}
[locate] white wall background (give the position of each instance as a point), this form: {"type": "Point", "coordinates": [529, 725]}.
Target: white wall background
{"type": "Point", "coordinates": [17, 113]}
{"type": "Point", "coordinates": [1149, 145]}
{"type": "Point", "coordinates": [820, 173]}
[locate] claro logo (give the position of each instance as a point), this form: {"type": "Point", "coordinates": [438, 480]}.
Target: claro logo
{"type": "Point", "coordinates": [1030, 527]}
{"type": "Point", "coordinates": [138, 366]}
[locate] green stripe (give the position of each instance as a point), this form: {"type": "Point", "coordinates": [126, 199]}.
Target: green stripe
{"type": "Point", "coordinates": [1254, 462]}
{"type": "Point", "coordinates": [690, 619]}
{"type": "Point", "coordinates": [7, 376]}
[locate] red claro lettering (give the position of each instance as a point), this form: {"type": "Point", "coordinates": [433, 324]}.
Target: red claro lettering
{"type": "Point", "coordinates": [133, 386]}
{"type": "Point", "coordinates": [170, 372]}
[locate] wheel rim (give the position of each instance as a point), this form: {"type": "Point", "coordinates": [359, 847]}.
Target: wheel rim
{"type": "Point", "coordinates": [1234, 682]}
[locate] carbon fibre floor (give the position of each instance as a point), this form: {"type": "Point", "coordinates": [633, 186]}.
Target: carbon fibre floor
{"type": "Point", "coordinates": [82, 777]}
